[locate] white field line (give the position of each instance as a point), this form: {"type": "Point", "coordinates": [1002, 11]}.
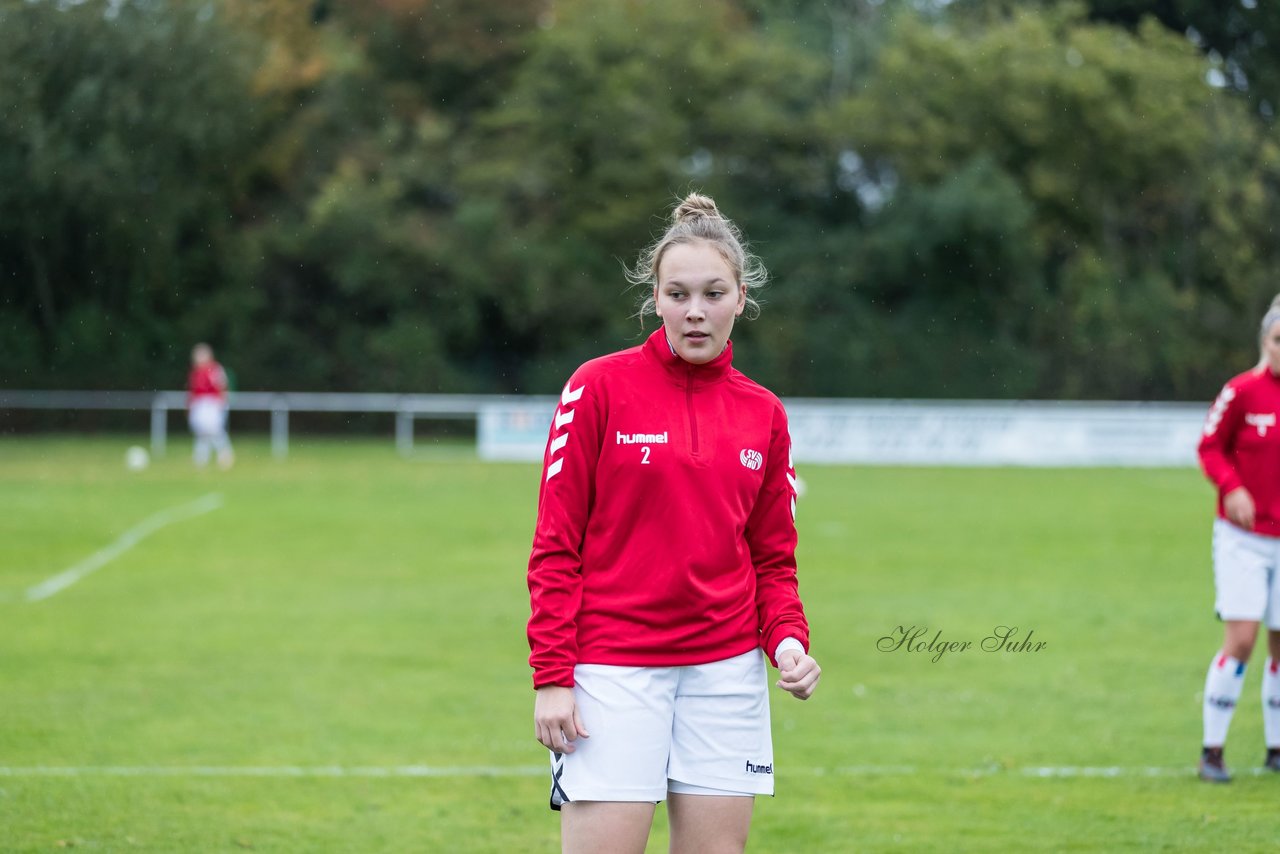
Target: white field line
{"type": "Point", "coordinates": [126, 541]}
{"type": "Point", "coordinates": [459, 771]}
{"type": "Point", "coordinates": [276, 771]}
{"type": "Point", "coordinates": [1034, 771]}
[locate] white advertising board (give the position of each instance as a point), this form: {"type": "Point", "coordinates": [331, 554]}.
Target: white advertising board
{"type": "Point", "coordinates": [944, 433]}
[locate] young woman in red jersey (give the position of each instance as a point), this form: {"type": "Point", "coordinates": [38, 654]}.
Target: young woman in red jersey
{"type": "Point", "coordinates": [1240, 453]}
{"type": "Point", "coordinates": [663, 566]}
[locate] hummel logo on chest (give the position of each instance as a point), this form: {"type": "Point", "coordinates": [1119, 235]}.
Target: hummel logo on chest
{"type": "Point", "coordinates": [642, 438]}
{"type": "Point", "coordinates": [1261, 420]}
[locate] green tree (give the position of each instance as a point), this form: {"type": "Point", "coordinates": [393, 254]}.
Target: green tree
{"type": "Point", "coordinates": [348, 278]}
{"type": "Point", "coordinates": [1105, 135]}
{"type": "Point", "coordinates": [613, 116]}
{"type": "Point", "coordinates": [1240, 38]}
{"type": "Point", "coordinates": [124, 129]}
{"type": "Point", "coordinates": [455, 53]}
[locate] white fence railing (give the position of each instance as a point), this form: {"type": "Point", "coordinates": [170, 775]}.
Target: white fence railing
{"type": "Point", "coordinates": [405, 407]}
{"type": "Point", "coordinates": [868, 432]}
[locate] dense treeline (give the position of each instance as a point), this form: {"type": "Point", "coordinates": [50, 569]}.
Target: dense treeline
{"type": "Point", "coordinates": [965, 199]}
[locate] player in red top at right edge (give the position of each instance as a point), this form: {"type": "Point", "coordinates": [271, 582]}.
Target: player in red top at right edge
{"type": "Point", "coordinates": [1240, 453]}
{"type": "Point", "coordinates": [663, 566]}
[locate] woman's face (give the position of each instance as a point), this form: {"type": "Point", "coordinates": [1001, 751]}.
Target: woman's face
{"type": "Point", "coordinates": [698, 298]}
{"type": "Point", "coordinates": [1271, 348]}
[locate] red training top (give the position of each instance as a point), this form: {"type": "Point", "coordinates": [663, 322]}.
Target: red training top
{"type": "Point", "coordinates": [666, 518]}
{"type": "Point", "coordinates": [207, 380]}
{"type": "Point", "coordinates": [1241, 445]}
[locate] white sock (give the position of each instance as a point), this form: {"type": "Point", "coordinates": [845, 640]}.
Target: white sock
{"type": "Point", "coordinates": [200, 452]}
{"type": "Point", "coordinates": [1271, 702]}
{"type": "Point", "coordinates": [1221, 691]}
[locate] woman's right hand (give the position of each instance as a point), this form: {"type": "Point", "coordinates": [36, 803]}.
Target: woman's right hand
{"type": "Point", "coordinates": [555, 719]}
{"type": "Point", "coordinates": [1238, 505]}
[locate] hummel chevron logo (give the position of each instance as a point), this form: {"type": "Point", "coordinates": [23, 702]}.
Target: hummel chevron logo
{"type": "Point", "coordinates": [563, 416]}
{"type": "Point", "coordinates": [1219, 407]}
{"type": "Point", "coordinates": [567, 397]}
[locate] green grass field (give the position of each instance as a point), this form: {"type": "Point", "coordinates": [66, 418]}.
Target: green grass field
{"type": "Point", "coordinates": [334, 660]}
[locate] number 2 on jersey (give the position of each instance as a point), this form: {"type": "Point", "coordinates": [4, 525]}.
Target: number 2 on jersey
{"type": "Point", "coordinates": [644, 461]}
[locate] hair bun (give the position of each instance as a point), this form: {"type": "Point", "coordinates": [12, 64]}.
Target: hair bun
{"type": "Point", "coordinates": [695, 205]}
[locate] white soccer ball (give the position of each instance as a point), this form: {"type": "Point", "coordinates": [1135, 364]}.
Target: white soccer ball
{"type": "Point", "coordinates": [136, 458]}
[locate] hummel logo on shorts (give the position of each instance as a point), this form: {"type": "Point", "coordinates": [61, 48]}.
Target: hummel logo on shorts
{"type": "Point", "coordinates": [758, 769]}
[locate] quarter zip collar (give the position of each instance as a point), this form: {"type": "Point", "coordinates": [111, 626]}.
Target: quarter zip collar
{"type": "Point", "coordinates": [659, 349]}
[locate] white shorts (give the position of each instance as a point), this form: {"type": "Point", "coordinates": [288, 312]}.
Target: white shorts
{"type": "Point", "coordinates": [208, 417]}
{"type": "Point", "coordinates": [696, 729]}
{"type": "Point", "coordinates": [1246, 575]}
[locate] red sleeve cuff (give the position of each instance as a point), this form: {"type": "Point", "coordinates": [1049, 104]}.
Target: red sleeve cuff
{"type": "Point", "coordinates": [562, 676]}
{"type": "Point", "coordinates": [770, 643]}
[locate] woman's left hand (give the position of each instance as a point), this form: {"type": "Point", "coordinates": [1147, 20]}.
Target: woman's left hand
{"type": "Point", "coordinates": [798, 674]}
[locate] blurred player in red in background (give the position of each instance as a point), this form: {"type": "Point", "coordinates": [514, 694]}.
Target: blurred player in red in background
{"type": "Point", "coordinates": [1240, 453]}
{"type": "Point", "coordinates": [207, 407]}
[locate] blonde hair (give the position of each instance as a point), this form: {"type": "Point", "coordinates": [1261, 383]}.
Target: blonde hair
{"type": "Point", "coordinates": [697, 219]}
{"type": "Point", "coordinates": [1271, 318]}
